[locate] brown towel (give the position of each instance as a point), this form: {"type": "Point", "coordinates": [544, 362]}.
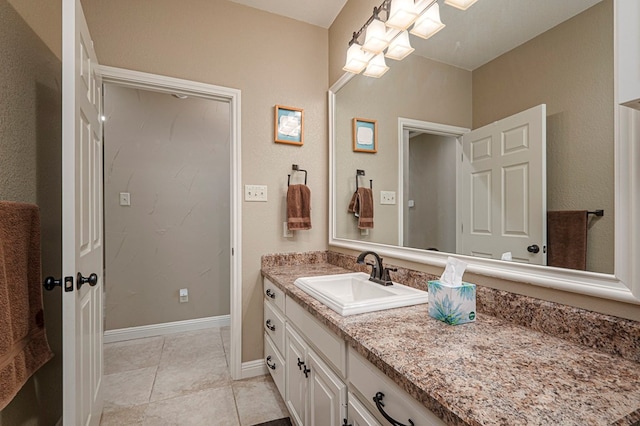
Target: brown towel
{"type": "Point", "coordinates": [567, 239]}
{"type": "Point", "coordinates": [361, 205]}
{"type": "Point", "coordinates": [23, 342]}
{"type": "Point", "coordinates": [298, 207]}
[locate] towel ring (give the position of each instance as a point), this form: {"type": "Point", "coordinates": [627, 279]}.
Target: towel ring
{"type": "Point", "coordinates": [360, 172]}
{"type": "Point", "coordinates": [295, 168]}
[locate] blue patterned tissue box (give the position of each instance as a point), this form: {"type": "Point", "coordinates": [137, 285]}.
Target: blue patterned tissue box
{"type": "Point", "coordinates": [452, 304]}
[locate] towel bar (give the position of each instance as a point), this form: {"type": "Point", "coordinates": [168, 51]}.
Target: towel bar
{"type": "Point", "coordinates": [598, 213]}
{"type": "Point", "coordinates": [360, 172]}
{"type": "Point", "coordinates": [295, 168]}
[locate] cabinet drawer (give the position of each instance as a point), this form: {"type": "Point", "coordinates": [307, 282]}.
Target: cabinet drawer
{"type": "Point", "coordinates": [398, 404]}
{"type": "Point", "coordinates": [331, 348]}
{"type": "Point", "coordinates": [273, 293]}
{"type": "Point", "coordinates": [274, 325]}
{"type": "Point", "coordinates": [275, 363]}
{"type": "Point", "coordinates": [358, 413]}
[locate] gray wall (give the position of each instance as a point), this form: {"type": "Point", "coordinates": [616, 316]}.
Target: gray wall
{"type": "Point", "coordinates": [432, 186]}
{"type": "Point", "coordinates": [172, 156]}
{"type": "Point", "coordinates": [30, 171]}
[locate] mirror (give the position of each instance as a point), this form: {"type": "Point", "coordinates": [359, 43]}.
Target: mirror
{"type": "Point", "coordinates": [564, 60]}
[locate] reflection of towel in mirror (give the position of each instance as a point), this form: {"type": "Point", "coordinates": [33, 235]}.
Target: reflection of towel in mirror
{"type": "Point", "coordinates": [567, 239]}
{"type": "Point", "coordinates": [298, 207]}
{"type": "Point", "coordinates": [23, 341]}
{"type": "Point", "coordinates": [362, 206]}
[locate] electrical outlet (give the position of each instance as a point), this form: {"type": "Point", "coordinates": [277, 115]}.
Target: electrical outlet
{"type": "Point", "coordinates": [364, 231]}
{"type": "Point", "coordinates": [387, 197]}
{"type": "Point", "coordinates": [285, 231]}
{"type": "Point", "coordinates": [125, 199]}
{"type": "Point", "coordinates": [255, 192]}
{"type": "Point", "coordinates": [184, 295]}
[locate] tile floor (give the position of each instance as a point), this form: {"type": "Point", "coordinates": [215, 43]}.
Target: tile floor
{"type": "Point", "coordinates": [183, 379]}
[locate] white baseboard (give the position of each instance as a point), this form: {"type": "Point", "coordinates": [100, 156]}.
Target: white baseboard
{"type": "Point", "coordinates": [161, 329]}
{"type": "Point", "coordinates": [253, 368]}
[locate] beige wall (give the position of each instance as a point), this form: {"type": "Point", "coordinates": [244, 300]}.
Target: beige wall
{"type": "Point", "coordinates": [416, 88]}
{"type": "Point", "coordinates": [273, 60]}
{"type": "Point", "coordinates": [172, 156]}
{"type": "Point", "coordinates": [570, 68]}
{"type": "Point", "coordinates": [353, 16]}
{"type": "Point", "coordinates": [30, 141]}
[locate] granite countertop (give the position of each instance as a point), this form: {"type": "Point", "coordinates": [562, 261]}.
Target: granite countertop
{"type": "Point", "coordinates": [491, 372]}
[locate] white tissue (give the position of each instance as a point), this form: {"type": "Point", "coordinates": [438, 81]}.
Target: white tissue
{"type": "Point", "coordinates": [507, 256]}
{"type": "Point", "coordinates": [453, 272]}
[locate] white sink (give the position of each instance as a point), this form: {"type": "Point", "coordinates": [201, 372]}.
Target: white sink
{"type": "Point", "coordinates": [353, 293]}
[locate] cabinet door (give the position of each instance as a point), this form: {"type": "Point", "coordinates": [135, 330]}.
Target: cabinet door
{"type": "Point", "coordinates": [296, 388]}
{"type": "Point", "coordinates": [327, 394]}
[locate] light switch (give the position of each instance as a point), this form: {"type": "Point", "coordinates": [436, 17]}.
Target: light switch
{"type": "Point", "coordinates": [255, 192]}
{"type": "Point", "coordinates": [125, 199]}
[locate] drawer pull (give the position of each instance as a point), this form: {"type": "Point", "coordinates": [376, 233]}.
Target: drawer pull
{"type": "Point", "coordinates": [271, 366]}
{"type": "Point", "coordinates": [270, 326]}
{"type": "Point", "coordinates": [300, 364]}
{"type": "Point", "coordinates": [270, 293]}
{"type": "Point", "coordinates": [306, 372]}
{"type": "Point", "coordinates": [378, 400]}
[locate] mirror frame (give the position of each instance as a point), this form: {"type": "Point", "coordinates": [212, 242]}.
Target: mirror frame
{"type": "Point", "coordinates": [622, 285]}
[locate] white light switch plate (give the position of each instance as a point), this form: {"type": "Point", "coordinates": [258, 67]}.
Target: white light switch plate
{"type": "Point", "coordinates": [255, 193]}
{"type": "Point", "coordinates": [387, 197]}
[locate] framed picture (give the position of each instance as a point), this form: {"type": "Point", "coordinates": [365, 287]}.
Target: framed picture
{"type": "Point", "coordinates": [289, 125]}
{"type": "Point", "coordinates": [365, 135]}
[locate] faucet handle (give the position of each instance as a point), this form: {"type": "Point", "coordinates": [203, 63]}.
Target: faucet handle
{"type": "Point", "coordinates": [385, 274]}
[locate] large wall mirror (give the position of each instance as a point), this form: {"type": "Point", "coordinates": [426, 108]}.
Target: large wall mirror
{"type": "Point", "coordinates": [530, 76]}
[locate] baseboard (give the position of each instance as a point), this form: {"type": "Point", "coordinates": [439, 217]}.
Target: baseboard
{"type": "Point", "coordinates": [253, 368]}
{"type": "Point", "coordinates": [121, 334]}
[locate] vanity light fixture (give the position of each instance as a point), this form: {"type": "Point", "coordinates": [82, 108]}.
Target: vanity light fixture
{"type": "Point", "coordinates": [429, 23]}
{"type": "Point", "coordinates": [460, 4]}
{"type": "Point", "coordinates": [400, 48]}
{"type": "Point", "coordinates": [377, 66]}
{"type": "Point", "coordinates": [391, 34]}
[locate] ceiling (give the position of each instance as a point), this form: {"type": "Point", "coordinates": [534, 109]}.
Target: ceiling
{"type": "Point", "coordinates": [470, 39]}
{"type": "Point", "coordinates": [317, 12]}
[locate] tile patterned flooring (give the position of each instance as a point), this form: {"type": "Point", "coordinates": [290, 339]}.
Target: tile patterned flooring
{"type": "Point", "coordinates": [183, 379]}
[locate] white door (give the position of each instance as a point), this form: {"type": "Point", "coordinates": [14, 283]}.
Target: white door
{"type": "Point", "coordinates": [82, 242]}
{"type": "Point", "coordinates": [327, 394]}
{"type": "Point", "coordinates": [503, 206]}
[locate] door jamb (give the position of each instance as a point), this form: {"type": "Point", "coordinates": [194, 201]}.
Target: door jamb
{"type": "Point", "coordinates": [232, 96]}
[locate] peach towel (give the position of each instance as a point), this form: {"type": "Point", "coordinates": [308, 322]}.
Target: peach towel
{"type": "Point", "coordinates": [23, 341]}
{"type": "Point", "coordinates": [298, 207]}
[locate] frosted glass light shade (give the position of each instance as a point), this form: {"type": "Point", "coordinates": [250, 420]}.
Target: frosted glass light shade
{"type": "Point", "coordinates": [376, 38]}
{"type": "Point", "coordinates": [402, 14]}
{"type": "Point", "coordinates": [429, 23]}
{"type": "Point", "coordinates": [460, 4]}
{"type": "Point", "coordinates": [400, 48]}
{"type": "Point", "coordinates": [377, 66]}
{"type": "Point", "coordinates": [357, 59]}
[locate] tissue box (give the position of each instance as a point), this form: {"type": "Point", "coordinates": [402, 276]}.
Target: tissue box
{"type": "Point", "coordinates": [452, 304]}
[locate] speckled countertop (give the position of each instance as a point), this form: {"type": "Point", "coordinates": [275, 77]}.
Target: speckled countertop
{"type": "Point", "coordinates": [491, 372]}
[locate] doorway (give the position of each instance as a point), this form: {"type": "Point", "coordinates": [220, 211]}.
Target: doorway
{"type": "Point", "coordinates": [171, 170]}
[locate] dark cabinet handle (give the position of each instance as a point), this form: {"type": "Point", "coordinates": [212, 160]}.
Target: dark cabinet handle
{"type": "Point", "coordinates": [533, 248]}
{"type": "Point", "coordinates": [270, 293]}
{"type": "Point", "coordinates": [271, 366]}
{"type": "Point", "coordinates": [92, 280]}
{"type": "Point", "coordinates": [270, 326]}
{"type": "Point", "coordinates": [344, 423]}
{"type": "Point", "coordinates": [378, 400]}
{"type": "Point", "coordinates": [300, 364]}
{"type": "Point", "coordinates": [306, 372]}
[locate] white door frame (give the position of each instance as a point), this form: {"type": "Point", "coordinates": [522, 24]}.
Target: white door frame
{"type": "Point", "coordinates": [406, 124]}
{"type": "Point", "coordinates": [160, 83]}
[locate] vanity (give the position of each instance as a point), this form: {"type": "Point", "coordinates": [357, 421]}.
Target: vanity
{"type": "Point", "coordinates": [329, 367]}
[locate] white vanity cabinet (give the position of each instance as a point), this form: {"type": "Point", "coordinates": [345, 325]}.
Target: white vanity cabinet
{"type": "Point", "coordinates": [315, 395]}
{"type": "Point", "coordinates": [274, 331]}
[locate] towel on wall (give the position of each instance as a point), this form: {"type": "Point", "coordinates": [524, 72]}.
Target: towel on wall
{"type": "Point", "coordinates": [298, 207]}
{"type": "Point", "coordinates": [23, 341]}
{"type": "Point", "coordinates": [567, 239]}
{"type": "Point", "coordinates": [361, 205]}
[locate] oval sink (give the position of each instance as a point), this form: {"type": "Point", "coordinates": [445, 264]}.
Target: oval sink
{"type": "Point", "coordinates": [353, 293]}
